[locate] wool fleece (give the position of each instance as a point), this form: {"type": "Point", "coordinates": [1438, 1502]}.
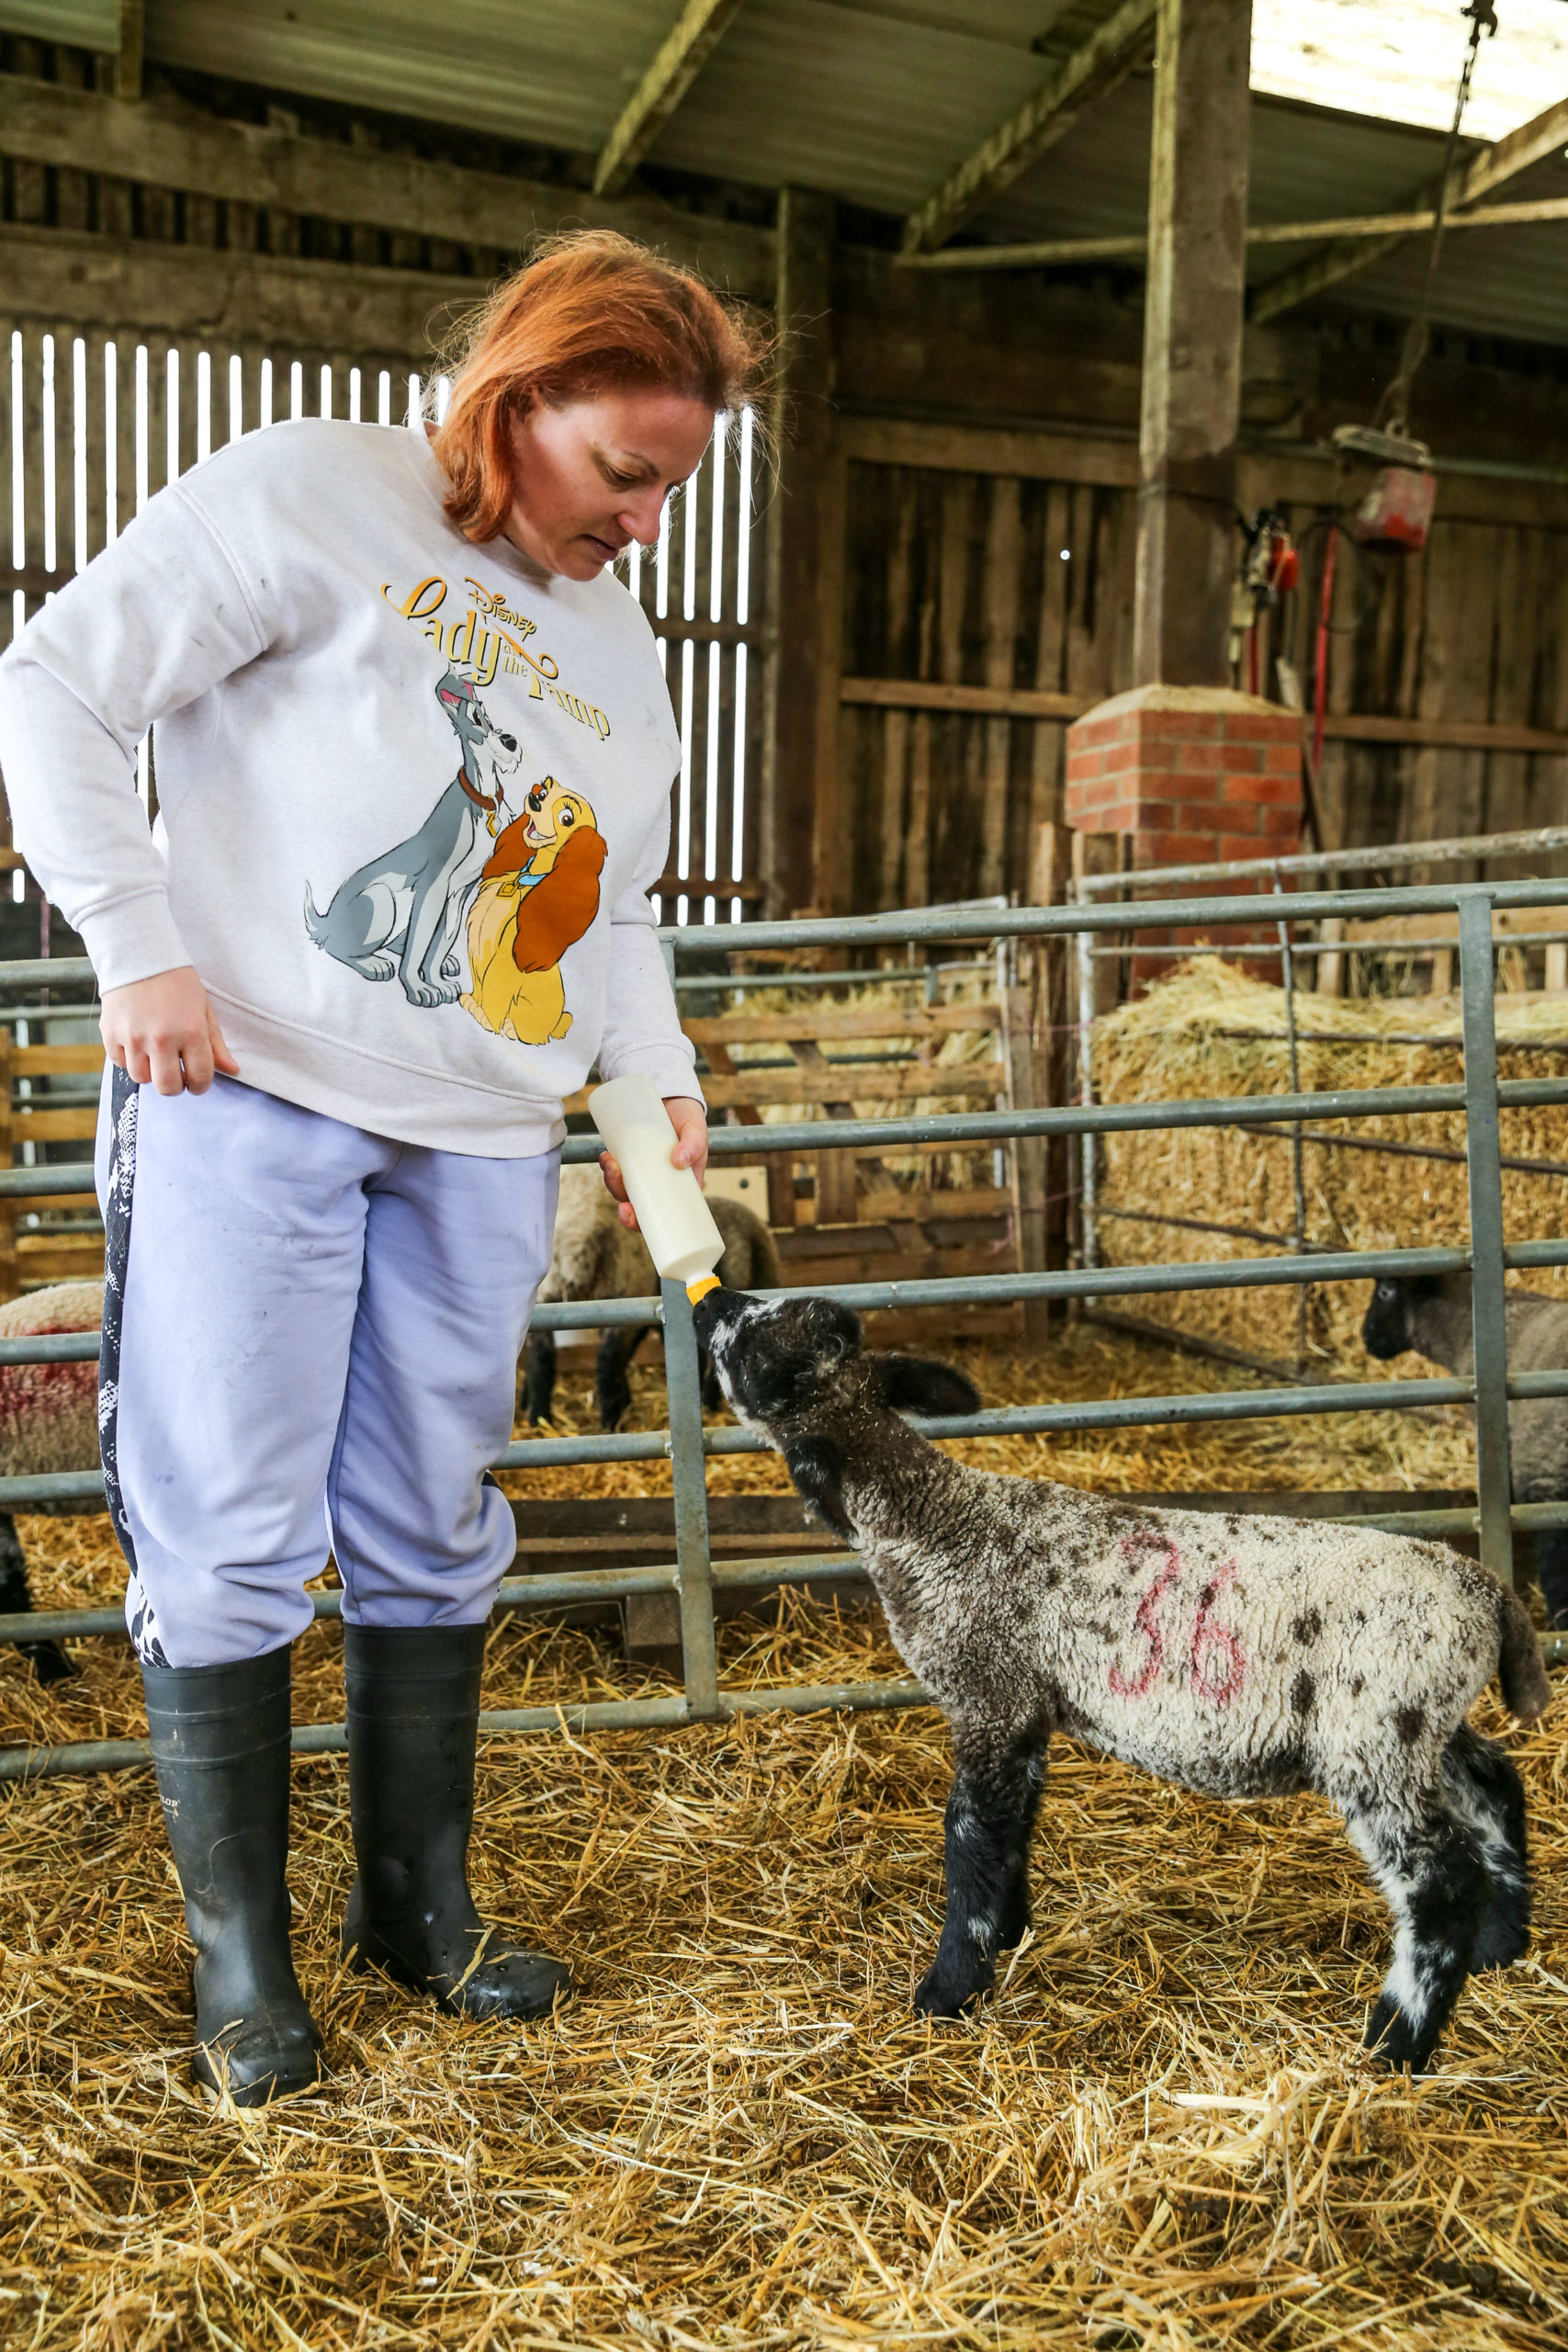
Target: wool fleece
{"type": "Point", "coordinates": [412, 793]}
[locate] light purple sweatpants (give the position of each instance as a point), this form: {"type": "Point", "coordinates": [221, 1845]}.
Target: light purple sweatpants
{"type": "Point", "coordinates": [311, 1337]}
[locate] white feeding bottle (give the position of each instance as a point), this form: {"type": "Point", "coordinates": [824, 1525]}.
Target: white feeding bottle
{"type": "Point", "coordinates": [677, 1224]}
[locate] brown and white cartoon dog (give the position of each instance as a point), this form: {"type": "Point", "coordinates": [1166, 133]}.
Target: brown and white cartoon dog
{"type": "Point", "coordinates": [537, 896]}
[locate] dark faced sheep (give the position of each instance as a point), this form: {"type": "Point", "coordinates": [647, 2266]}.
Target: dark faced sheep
{"type": "Point", "coordinates": [48, 1421]}
{"type": "Point", "coordinates": [1236, 1655]}
{"type": "Point", "coordinates": [594, 1256]}
{"type": "Point", "coordinates": [1431, 1315]}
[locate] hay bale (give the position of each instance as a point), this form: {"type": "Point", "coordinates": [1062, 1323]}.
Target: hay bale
{"type": "Point", "coordinates": [1212, 1030]}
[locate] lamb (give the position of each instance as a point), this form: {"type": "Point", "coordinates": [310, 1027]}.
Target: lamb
{"type": "Point", "coordinates": [1431, 1314]}
{"type": "Point", "coordinates": [48, 1421]}
{"type": "Point", "coordinates": [1236, 1655]}
{"type": "Point", "coordinates": [594, 1256]}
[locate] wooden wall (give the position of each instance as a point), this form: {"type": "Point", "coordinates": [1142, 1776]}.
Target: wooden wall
{"type": "Point", "coordinates": [988, 601]}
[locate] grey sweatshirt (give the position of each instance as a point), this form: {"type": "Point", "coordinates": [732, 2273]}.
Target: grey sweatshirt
{"type": "Point", "coordinates": [412, 793]}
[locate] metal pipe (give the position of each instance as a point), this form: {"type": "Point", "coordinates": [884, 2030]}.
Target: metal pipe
{"type": "Point", "coordinates": [39, 1184]}
{"type": "Point", "coordinates": [604, 1715]}
{"type": "Point", "coordinates": [1384, 860]}
{"type": "Point", "coordinates": [1488, 1294]}
{"type": "Point", "coordinates": [1026, 923]}
{"type": "Point", "coordinates": [682, 1381]}
{"type": "Point", "coordinates": [991, 1127]}
{"type": "Point", "coordinates": [33, 971]}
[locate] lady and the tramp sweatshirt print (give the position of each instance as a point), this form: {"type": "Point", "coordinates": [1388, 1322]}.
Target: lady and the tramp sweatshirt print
{"type": "Point", "coordinates": [412, 793]}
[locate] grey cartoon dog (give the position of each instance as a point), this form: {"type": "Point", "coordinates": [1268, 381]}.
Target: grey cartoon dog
{"type": "Point", "coordinates": [404, 911]}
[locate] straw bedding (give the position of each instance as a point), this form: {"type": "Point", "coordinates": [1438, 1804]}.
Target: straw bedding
{"type": "Point", "coordinates": [1159, 2133]}
{"type": "Point", "coordinates": [1210, 1029]}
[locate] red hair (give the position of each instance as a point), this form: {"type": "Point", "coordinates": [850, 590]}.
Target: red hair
{"type": "Point", "coordinates": [592, 311]}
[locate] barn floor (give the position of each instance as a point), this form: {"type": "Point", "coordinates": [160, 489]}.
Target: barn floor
{"type": "Point", "coordinates": [1160, 2133]}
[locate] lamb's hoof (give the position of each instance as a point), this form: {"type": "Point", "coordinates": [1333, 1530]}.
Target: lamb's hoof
{"type": "Point", "coordinates": [939, 1996]}
{"type": "Point", "coordinates": [614, 1407]}
{"type": "Point", "coordinates": [1500, 1943]}
{"type": "Point", "coordinates": [1394, 2042]}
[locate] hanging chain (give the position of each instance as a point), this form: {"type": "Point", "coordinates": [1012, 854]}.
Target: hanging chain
{"type": "Point", "coordinates": [1391, 410]}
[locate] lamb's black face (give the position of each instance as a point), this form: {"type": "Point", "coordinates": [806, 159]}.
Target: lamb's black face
{"type": "Point", "coordinates": [778, 1360]}
{"type": "Point", "coordinates": [1386, 1331]}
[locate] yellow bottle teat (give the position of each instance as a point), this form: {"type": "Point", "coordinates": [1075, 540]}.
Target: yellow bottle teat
{"type": "Point", "coordinates": [701, 1287]}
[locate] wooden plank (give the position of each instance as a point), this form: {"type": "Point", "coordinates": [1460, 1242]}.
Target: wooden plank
{"type": "Point", "coordinates": [898, 1265]}
{"type": "Point", "coordinates": [673, 67]}
{"type": "Point", "coordinates": [55, 1061]}
{"type": "Point", "coordinates": [53, 1127]}
{"type": "Point", "coordinates": [1349, 727]}
{"type": "Point", "coordinates": [951, 695]}
{"type": "Point", "coordinates": [1004, 552]}
{"type": "Point", "coordinates": [799, 525]}
{"type": "Point", "coordinates": [914, 1020]}
{"type": "Point", "coordinates": [832, 883]}
{"type": "Point", "coordinates": [989, 449]}
{"type": "Point", "coordinates": [1516, 922]}
{"type": "Point", "coordinates": [166, 145]}
{"type": "Point", "coordinates": [839, 1081]}
{"type": "Point", "coordinates": [1092, 71]}
{"type": "Point", "coordinates": [933, 1208]}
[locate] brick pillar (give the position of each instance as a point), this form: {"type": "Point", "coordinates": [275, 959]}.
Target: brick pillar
{"type": "Point", "coordinates": [1197, 775]}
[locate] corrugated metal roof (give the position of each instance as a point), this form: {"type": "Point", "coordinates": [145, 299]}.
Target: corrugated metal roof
{"type": "Point", "coordinates": [873, 100]}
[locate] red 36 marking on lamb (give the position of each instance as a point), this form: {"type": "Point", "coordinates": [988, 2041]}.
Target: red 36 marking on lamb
{"type": "Point", "coordinates": [1208, 1634]}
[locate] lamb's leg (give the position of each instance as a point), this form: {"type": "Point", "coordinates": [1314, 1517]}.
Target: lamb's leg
{"type": "Point", "coordinates": [539, 1376]}
{"type": "Point", "coordinates": [1489, 1794]}
{"type": "Point", "coordinates": [1429, 1863]}
{"type": "Point", "coordinates": [612, 1387]}
{"type": "Point", "coordinates": [47, 1660]}
{"type": "Point", "coordinates": [1552, 1568]}
{"type": "Point", "coordinates": [990, 1812]}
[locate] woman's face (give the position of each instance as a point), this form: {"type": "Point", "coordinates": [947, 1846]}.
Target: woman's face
{"type": "Point", "coordinates": [593, 475]}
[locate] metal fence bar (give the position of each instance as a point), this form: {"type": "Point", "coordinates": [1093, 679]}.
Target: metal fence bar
{"type": "Point", "coordinates": [1488, 1295]}
{"type": "Point", "coordinates": [1155, 914]}
{"type": "Point", "coordinates": [682, 1381]}
{"type": "Point", "coordinates": [609, 1714]}
{"type": "Point", "coordinates": [1386, 860]}
{"type": "Point", "coordinates": [694, 1576]}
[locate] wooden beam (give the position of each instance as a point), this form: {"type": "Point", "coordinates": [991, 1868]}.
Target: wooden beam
{"type": "Point", "coordinates": [1105, 58]}
{"type": "Point", "coordinates": [1192, 329]}
{"type": "Point", "coordinates": [1478, 176]}
{"type": "Point", "coordinates": [64, 278]}
{"type": "Point", "coordinates": [1339, 727]}
{"type": "Point", "coordinates": [1062, 251]}
{"type": "Point", "coordinates": [131, 42]}
{"type": "Point", "coordinates": [679, 59]}
{"type": "Point", "coordinates": [45, 123]}
{"type": "Point", "coordinates": [804, 556]}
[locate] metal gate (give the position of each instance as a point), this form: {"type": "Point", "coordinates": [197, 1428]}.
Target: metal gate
{"type": "Point", "coordinates": [692, 1575]}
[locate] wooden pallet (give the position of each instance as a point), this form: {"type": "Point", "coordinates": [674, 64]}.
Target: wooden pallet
{"type": "Point", "coordinates": [28, 1259]}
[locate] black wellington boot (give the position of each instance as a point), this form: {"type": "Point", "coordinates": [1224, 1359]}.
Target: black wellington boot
{"type": "Point", "coordinates": [413, 1715]}
{"type": "Point", "coordinates": [220, 1737]}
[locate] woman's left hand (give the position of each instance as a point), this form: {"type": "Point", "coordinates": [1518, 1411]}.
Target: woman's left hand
{"type": "Point", "coordinates": [690, 1121]}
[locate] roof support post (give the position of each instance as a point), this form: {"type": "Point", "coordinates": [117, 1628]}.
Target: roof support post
{"type": "Point", "coordinates": [131, 38]}
{"type": "Point", "coordinates": [805, 558]}
{"type": "Point", "coordinates": [1192, 329]}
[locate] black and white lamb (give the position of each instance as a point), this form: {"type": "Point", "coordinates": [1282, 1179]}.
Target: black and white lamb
{"type": "Point", "coordinates": [594, 1256]}
{"type": "Point", "coordinates": [48, 1421]}
{"type": "Point", "coordinates": [1236, 1655]}
{"type": "Point", "coordinates": [1431, 1315]}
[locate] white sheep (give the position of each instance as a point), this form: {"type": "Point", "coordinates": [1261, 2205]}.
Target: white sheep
{"type": "Point", "coordinates": [1241, 1657]}
{"type": "Point", "coordinates": [48, 1422]}
{"type": "Point", "coordinates": [1432, 1314]}
{"type": "Point", "coordinates": [594, 1256]}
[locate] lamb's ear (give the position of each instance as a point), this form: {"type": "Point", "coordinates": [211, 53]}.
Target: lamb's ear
{"type": "Point", "coordinates": [817, 1469]}
{"type": "Point", "coordinates": [830, 1330]}
{"type": "Point", "coordinates": [919, 1384]}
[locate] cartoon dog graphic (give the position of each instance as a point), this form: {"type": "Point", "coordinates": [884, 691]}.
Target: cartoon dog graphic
{"type": "Point", "coordinates": [539, 894]}
{"type": "Point", "coordinates": [402, 912]}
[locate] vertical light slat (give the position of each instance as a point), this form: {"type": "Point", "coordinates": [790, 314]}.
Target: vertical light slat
{"type": "Point", "coordinates": [49, 454]}
{"type": "Point", "coordinates": [111, 441]}
{"type": "Point", "coordinates": [263, 390]}
{"type": "Point", "coordinates": [172, 414]}
{"type": "Point", "coordinates": [203, 407]}
{"type": "Point", "coordinates": [143, 422]}
{"type": "Point", "coordinates": [81, 539]}
{"type": "Point", "coordinates": [236, 396]}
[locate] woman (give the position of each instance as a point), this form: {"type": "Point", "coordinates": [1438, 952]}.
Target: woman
{"type": "Point", "coordinates": [329, 1180]}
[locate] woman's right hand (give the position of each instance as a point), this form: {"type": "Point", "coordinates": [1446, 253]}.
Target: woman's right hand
{"type": "Point", "coordinates": [163, 1032]}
